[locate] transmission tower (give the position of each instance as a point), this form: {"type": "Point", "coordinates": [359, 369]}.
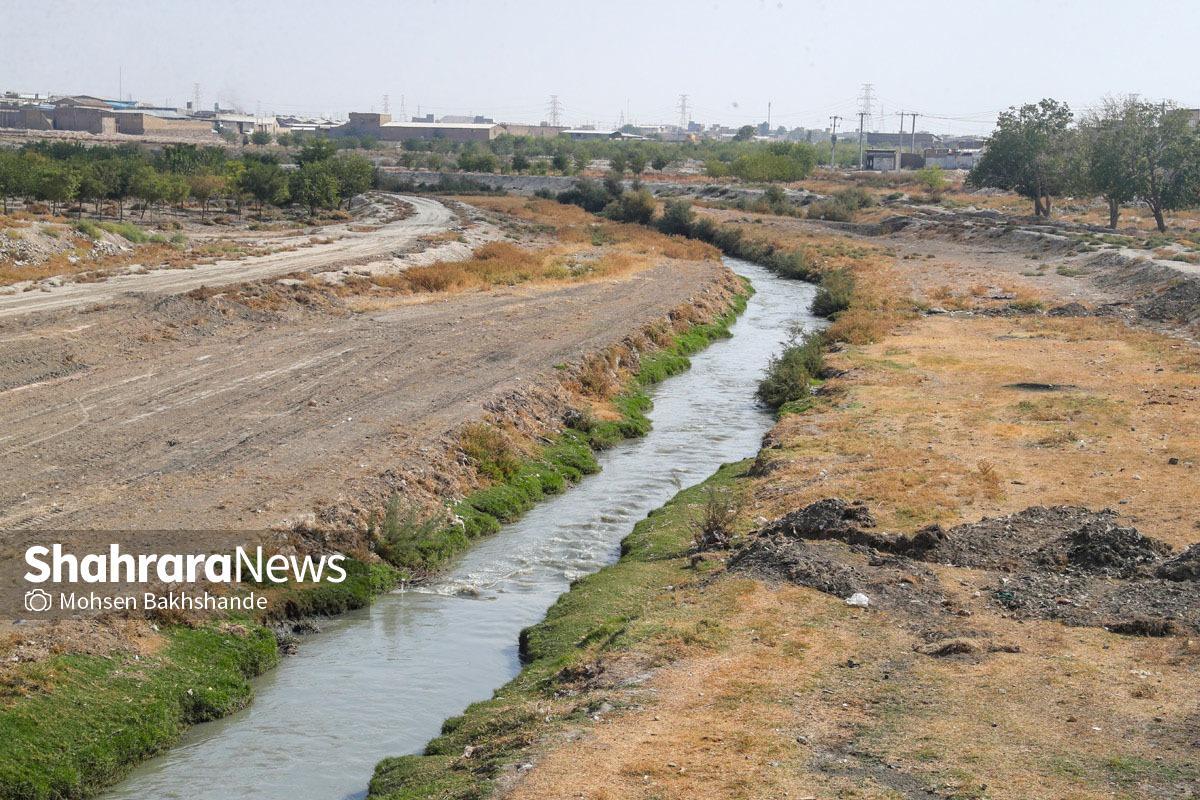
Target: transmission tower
{"type": "Point", "coordinates": [403, 112]}
{"type": "Point", "coordinates": [387, 107]}
{"type": "Point", "coordinates": [867, 102]}
{"type": "Point", "coordinates": [555, 111]}
{"type": "Point", "coordinates": [683, 112]}
{"type": "Point", "coordinates": [195, 97]}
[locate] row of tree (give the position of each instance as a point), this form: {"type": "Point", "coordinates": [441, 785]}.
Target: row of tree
{"type": "Point", "coordinates": [1126, 151]}
{"type": "Point", "coordinates": [61, 174]}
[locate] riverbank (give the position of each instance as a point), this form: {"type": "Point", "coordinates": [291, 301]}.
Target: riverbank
{"type": "Point", "coordinates": [158, 681]}
{"type": "Point", "coordinates": [1004, 659]}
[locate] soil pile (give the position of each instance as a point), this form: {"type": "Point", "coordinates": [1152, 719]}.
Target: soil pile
{"type": "Point", "coordinates": [1064, 563]}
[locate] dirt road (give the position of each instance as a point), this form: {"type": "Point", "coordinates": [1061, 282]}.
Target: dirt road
{"type": "Point", "coordinates": [350, 248]}
{"type": "Point", "coordinates": [185, 413]}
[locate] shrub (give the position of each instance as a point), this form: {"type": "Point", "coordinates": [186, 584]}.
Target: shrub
{"type": "Point", "coordinates": [834, 294]}
{"type": "Point", "coordinates": [830, 210]}
{"type": "Point", "coordinates": [790, 374]}
{"type": "Point", "coordinates": [632, 207]}
{"type": "Point", "coordinates": [587, 194]}
{"type": "Point", "coordinates": [677, 219]}
{"type": "Point", "coordinates": [490, 450]}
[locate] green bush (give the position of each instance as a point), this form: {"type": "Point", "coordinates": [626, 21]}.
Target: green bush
{"type": "Point", "coordinates": [635, 207]}
{"type": "Point", "coordinates": [791, 373]}
{"type": "Point", "coordinates": [834, 294]}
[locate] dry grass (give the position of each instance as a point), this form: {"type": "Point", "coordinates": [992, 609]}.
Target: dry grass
{"type": "Point", "coordinates": [911, 422]}
{"type": "Point", "coordinates": [580, 247]}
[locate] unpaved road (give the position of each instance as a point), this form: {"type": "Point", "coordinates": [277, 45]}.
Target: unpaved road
{"type": "Point", "coordinates": [174, 412]}
{"type": "Point", "coordinates": [352, 248]}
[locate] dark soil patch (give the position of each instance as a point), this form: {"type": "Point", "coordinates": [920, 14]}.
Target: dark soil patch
{"type": "Point", "coordinates": [1063, 563]}
{"type": "Point", "coordinates": [1041, 387]}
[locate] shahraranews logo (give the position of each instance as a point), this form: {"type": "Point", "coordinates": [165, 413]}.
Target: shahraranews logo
{"type": "Point", "coordinates": [54, 565]}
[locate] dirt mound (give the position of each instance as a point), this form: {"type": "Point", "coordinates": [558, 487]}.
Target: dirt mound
{"type": "Point", "coordinates": [1063, 563]}
{"type": "Point", "coordinates": [1183, 567]}
{"type": "Point", "coordinates": [825, 519]}
{"type": "Point", "coordinates": [1104, 547]}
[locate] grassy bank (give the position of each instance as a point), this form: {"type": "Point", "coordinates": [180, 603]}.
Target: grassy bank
{"type": "Point", "coordinates": [419, 546]}
{"type": "Point", "coordinates": [71, 725]}
{"type": "Point", "coordinates": [74, 724]}
{"type": "Point", "coordinates": [601, 613]}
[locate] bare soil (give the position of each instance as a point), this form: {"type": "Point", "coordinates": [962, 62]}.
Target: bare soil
{"type": "Point", "coordinates": [177, 412]}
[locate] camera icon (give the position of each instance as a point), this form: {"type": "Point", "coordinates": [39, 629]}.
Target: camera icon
{"type": "Point", "coordinates": [38, 600]}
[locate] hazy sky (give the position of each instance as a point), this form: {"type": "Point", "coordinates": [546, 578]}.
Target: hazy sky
{"type": "Point", "coordinates": [957, 62]}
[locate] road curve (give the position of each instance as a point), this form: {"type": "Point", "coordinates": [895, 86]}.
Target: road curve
{"type": "Point", "coordinates": [354, 247]}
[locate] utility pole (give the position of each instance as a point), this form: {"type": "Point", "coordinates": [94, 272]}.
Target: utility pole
{"type": "Point", "coordinates": [120, 83]}
{"type": "Point", "coordinates": [861, 116]}
{"type": "Point", "coordinates": [683, 112]}
{"type": "Point", "coordinates": [768, 117]}
{"type": "Point", "coordinates": [912, 147]}
{"type": "Point", "coordinates": [833, 141]}
{"type": "Point", "coordinates": [555, 111]}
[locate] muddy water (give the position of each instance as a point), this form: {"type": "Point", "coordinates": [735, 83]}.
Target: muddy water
{"type": "Point", "coordinates": [380, 681]}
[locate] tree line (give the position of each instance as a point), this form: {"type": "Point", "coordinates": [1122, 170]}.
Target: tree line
{"type": "Point", "coordinates": [1126, 151]}
{"type": "Point", "coordinates": [749, 160]}
{"type": "Point", "coordinates": [61, 174]}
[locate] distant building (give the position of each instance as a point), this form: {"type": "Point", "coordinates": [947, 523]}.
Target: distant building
{"type": "Point", "coordinates": [583, 134]}
{"type": "Point", "coordinates": [902, 140]}
{"type": "Point", "coordinates": [881, 160]}
{"type": "Point", "coordinates": [381, 127]}
{"type": "Point", "coordinates": [947, 158]}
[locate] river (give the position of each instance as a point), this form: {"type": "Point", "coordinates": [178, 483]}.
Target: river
{"type": "Point", "coordinates": [379, 681]}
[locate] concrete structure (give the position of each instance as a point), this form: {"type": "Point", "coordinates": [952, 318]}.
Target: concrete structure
{"type": "Point", "coordinates": [27, 116]}
{"type": "Point", "coordinates": [145, 122]}
{"type": "Point", "coordinates": [581, 134]}
{"type": "Point", "coordinates": [536, 131]}
{"type": "Point", "coordinates": [91, 119]}
{"type": "Point", "coordinates": [903, 141]}
{"type": "Point", "coordinates": [952, 159]}
{"type": "Point", "coordinates": [381, 127]}
{"type": "Point", "coordinates": [881, 160]}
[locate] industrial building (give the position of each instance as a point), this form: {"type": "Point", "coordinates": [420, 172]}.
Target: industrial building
{"type": "Point", "coordinates": [381, 127]}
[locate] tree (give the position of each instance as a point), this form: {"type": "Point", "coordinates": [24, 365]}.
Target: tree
{"type": "Point", "coordinates": [1028, 153]}
{"type": "Point", "coordinates": [632, 207]}
{"type": "Point", "coordinates": [176, 189]}
{"type": "Point", "coordinates": [744, 133]}
{"type": "Point", "coordinates": [13, 176]}
{"type": "Point", "coordinates": [637, 162]}
{"type": "Point", "coordinates": [148, 186]}
{"type": "Point", "coordinates": [93, 184]}
{"type": "Point", "coordinates": [519, 162]}
{"type": "Point", "coordinates": [55, 183]}
{"type": "Point", "coordinates": [315, 149]}
{"type": "Point", "coordinates": [618, 162]}
{"type": "Point", "coordinates": [1106, 154]}
{"type": "Point", "coordinates": [561, 161]}
{"type": "Point", "coordinates": [659, 162]}
{"type": "Point", "coordinates": [204, 187]}
{"type": "Point", "coordinates": [260, 138]}
{"type": "Point", "coordinates": [355, 174]}
{"type": "Point", "coordinates": [1168, 160]}
{"type": "Point", "coordinates": [266, 182]}
{"type": "Point", "coordinates": [315, 186]}
{"type": "Point", "coordinates": [284, 139]}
